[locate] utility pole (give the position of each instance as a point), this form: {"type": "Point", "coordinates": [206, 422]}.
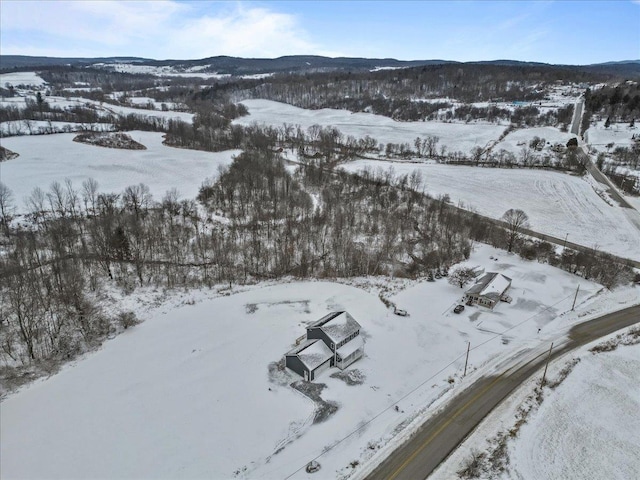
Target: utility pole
{"type": "Point", "coordinates": [467, 359]}
{"type": "Point", "coordinates": [565, 242]}
{"type": "Point", "coordinates": [544, 375]}
{"type": "Point", "coordinates": [575, 298]}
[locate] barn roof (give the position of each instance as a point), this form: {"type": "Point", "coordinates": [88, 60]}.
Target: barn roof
{"type": "Point", "coordinates": [312, 353]}
{"type": "Point", "coordinates": [337, 325]}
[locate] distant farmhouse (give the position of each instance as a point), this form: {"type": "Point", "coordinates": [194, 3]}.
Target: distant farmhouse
{"type": "Point", "coordinates": [489, 290]}
{"type": "Point", "coordinates": [332, 341]}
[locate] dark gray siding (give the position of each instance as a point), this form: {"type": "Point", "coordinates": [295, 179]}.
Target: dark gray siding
{"type": "Point", "coordinates": [316, 332]}
{"type": "Point", "coordinates": [294, 363]}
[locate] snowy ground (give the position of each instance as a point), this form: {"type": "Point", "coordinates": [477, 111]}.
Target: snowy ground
{"type": "Point", "coordinates": [47, 158]}
{"type": "Point", "coordinates": [515, 141]}
{"type": "Point", "coordinates": [556, 203]}
{"type": "Point", "coordinates": [156, 104]}
{"type": "Point", "coordinates": [187, 393]}
{"type": "Point", "coordinates": [588, 427]}
{"type": "Point", "coordinates": [21, 78]}
{"type": "Point", "coordinates": [633, 200]}
{"type": "Point", "coordinates": [119, 110]}
{"type": "Point", "coordinates": [574, 435]}
{"type": "Point", "coordinates": [161, 71]}
{"type": "Point", "coordinates": [42, 127]}
{"type": "Point", "coordinates": [618, 133]}
{"type": "Point", "coordinates": [455, 136]}
{"type": "Point", "coordinates": [101, 107]}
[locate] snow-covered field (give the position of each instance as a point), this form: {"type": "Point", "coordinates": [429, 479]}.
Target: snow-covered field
{"type": "Point", "coordinates": [21, 78]}
{"type": "Point", "coordinates": [620, 134]}
{"type": "Point", "coordinates": [47, 158]}
{"type": "Point", "coordinates": [633, 200]}
{"type": "Point", "coordinates": [515, 141]}
{"type": "Point", "coordinates": [119, 110]}
{"type": "Point", "coordinates": [156, 104]}
{"type": "Point", "coordinates": [187, 394]}
{"type": "Point", "coordinates": [161, 71]}
{"type": "Point", "coordinates": [101, 107]}
{"type": "Point", "coordinates": [588, 427]}
{"type": "Point", "coordinates": [41, 127]}
{"type": "Point", "coordinates": [455, 136]}
{"type": "Point", "coordinates": [556, 203]}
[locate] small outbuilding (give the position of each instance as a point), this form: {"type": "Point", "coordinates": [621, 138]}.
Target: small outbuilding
{"type": "Point", "coordinates": [488, 290]}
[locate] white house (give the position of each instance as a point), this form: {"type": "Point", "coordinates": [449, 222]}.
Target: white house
{"type": "Point", "coordinates": [489, 290]}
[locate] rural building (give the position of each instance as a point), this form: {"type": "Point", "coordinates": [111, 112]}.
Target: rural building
{"type": "Point", "coordinates": [332, 341]}
{"type": "Point", "coordinates": [489, 290]}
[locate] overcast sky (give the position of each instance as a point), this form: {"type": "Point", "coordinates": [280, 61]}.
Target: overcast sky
{"type": "Point", "coordinates": [560, 31]}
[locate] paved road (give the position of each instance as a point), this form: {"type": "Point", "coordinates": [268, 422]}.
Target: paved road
{"type": "Point", "coordinates": [602, 178]}
{"type": "Point", "coordinates": [577, 117]}
{"type": "Point", "coordinates": [441, 434]}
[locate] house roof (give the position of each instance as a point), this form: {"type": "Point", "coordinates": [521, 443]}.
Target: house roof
{"type": "Point", "coordinates": [491, 285]}
{"type": "Point", "coordinates": [351, 346]}
{"type": "Point", "coordinates": [337, 325]}
{"type": "Point", "coordinates": [312, 353]}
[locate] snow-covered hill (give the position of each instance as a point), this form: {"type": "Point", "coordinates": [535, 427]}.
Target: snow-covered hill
{"type": "Point", "coordinates": [47, 158]}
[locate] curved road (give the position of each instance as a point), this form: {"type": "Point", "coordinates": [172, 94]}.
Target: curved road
{"type": "Point", "coordinates": [442, 433]}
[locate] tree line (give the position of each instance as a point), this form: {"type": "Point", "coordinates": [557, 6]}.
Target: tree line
{"type": "Point", "coordinates": [258, 220]}
{"type": "Point", "coordinates": [415, 93]}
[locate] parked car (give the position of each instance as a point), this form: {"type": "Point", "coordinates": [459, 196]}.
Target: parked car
{"type": "Point", "coordinates": [458, 309]}
{"type": "Point", "coordinates": [399, 311]}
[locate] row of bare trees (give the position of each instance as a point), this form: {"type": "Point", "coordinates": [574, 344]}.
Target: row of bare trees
{"type": "Point", "coordinates": [257, 220]}
{"type": "Point", "coordinates": [313, 223]}
{"type": "Point", "coordinates": [394, 93]}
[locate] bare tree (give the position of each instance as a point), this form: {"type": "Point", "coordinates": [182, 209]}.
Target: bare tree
{"type": "Point", "coordinates": [515, 221]}
{"type": "Point", "coordinates": [7, 208]}
{"type": "Point", "coordinates": [90, 195]}
{"type": "Point", "coordinates": [461, 276]}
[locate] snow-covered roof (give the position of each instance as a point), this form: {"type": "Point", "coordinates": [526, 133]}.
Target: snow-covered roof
{"type": "Point", "coordinates": [312, 353]}
{"type": "Point", "coordinates": [351, 346]}
{"type": "Point", "coordinates": [491, 285]}
{"type": "Point", "coordinates": [337, 325]}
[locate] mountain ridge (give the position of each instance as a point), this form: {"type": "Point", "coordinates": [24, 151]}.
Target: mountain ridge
{"type": "Point", "coordinates": [289, 63]}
